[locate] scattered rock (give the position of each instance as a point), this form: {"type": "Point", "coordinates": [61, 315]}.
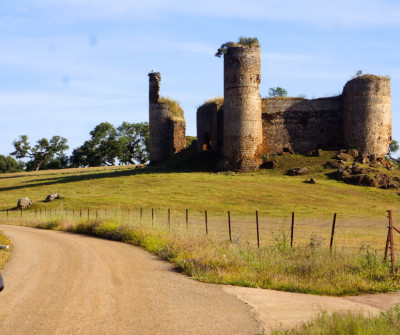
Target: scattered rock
{"type": "Point", "coordinates": [344, 157]}
{"type": "Point", "coordinates": [315, 153]}
{"type": "Point", "coordinates": [297, 171]}
{"type": "Point", "coordinates": [53, 196]}
{"type": "Point", "coordinates": [333, 165]}
{"type": "Point", "coordinates": [373, 158]}
{"type": "Point", "coordinates": [24, 203]}
{"type": "Point", "coordinates": [353, 153]}
{"type": "Point", "coordinates": [362, 180]}
{"type": "Point", "coordinates": [363, 159]}
{"type": "Point", "coordinates": [269, 164]}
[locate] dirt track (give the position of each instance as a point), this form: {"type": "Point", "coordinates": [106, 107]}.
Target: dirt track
{"type": "Point", "coordinates": [59, 283]}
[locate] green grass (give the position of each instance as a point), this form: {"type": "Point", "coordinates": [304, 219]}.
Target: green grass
{"type": "Point", "coordinates": [177, 111]}
{"type": "Point", "coordinates": [349, 324]}
{"type": "Point", "coordinates": [269, 191]}
{"type": "Point", "coordinates": [5, 254]}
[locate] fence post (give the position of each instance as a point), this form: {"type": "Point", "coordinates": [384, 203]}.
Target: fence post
{"type": "Point", "coordinates": [229, 225]}
{"type": "Point", "coordinates": [88, 214]}
{"type": "Point", "coordinates": [97, 214]}
{"type": "Point", "coordinates": [21, 212]}
{"type": "Point", "coordinates": [206, 220]}
{"type": "Point", "coordinates": [7, 213]}
{"type": "Point", "coordinates": [258, 232]}
{"type": "Point", "coordinates": [291, 231]}
{"type": "Point", "coordinates": [80, 212]}
{"type": "Point", "coordinates": [169, 218]}
{"type": "Point", "coordinates": [152, 217]}
{"type": "Point", "coordinates": [141, 214]}
{"type": "Point", "coordinates": [187, 219]}
{"type": "Point", "coordinates": [333, 231]}
{"type": "Point", "coordinates": [391, 242]}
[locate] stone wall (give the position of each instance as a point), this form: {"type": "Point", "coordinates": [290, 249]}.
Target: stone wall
{"type": "Point", "coordinates": [367, 118]}
{"type": "Point", "coordinates": [300, 124]}
{"type": "Point", "coordinates": [209, 120]}
{"type": "Point", "coordinates": [167, 133]}
{"type": "Point", "coordinates": [242, 108]}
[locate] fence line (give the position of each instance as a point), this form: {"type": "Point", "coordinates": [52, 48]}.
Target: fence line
{"type": "Point", "coordinates": [256, 228]}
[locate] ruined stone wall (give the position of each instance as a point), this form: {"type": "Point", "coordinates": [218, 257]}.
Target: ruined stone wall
{"type": "Point", "coordinates": [167, 133]}
{"type": "Point", "coordinates": [210, 126]}
{"type": "Point", "coordinates": [242, 108]}
{"type": "Point", "coordinates": [300, 124]}
{"type": "Point", "coordinates": [367, 122]}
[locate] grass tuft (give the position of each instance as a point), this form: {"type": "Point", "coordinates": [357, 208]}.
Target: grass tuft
{"type": "Point", "coordinates": [349, 324]}
{"type": "Point", "coordinates": [177, 111]}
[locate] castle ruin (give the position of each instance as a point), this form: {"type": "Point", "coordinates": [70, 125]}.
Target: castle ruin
{"type": "Point", "coordinates": [243, 127]}
{"type": "Point", "coordinates": [167, 128]}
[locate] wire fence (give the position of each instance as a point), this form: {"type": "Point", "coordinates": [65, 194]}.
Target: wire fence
{"type": "Point", "coordinates": [258, 228]}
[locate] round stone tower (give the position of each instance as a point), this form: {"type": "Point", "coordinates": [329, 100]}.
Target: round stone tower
{"type": "Point", "coordinates": [167, 129]}
{"type": "Point", "coordinates": [159, 115]}
{"type": "Point", "coordinates": [242, 134]}
{"type": "Point", "coordinates": [367, 118]}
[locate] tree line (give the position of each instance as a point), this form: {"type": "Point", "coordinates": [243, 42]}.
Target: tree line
{"type": "Point", "coordinates": [107, 146]}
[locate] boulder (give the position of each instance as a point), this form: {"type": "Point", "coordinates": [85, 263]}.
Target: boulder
{"type": "Point", "coordinates": [297, 171]}
{"type": "Point", "coordinates": [353, 153]}
{"type": "Point", "coordinates": [344, 157]}
{"type": "Point", "coordinates": [333, 165]}
{"type": "Point", "coordinates": [24, 203]}
{"type": "Point", "coordinates": [53, 196]}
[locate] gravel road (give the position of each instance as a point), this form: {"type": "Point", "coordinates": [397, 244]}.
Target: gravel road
{"type": "Point", "coordinates": [60, 283]}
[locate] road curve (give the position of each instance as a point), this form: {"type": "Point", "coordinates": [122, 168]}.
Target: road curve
{"type": "Point", "coordinates": [60, 283]}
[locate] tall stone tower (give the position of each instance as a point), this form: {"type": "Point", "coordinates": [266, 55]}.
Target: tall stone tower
{"type": "Point", "coordinates": [167, 129]}
{"type": "Point", "coordinates": [242, 134]}
{"type": "Point", "coordinates": [367, 118]}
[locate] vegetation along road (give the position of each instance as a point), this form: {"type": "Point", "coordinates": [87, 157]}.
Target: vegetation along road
{"type": "Point", "coordinates": [60, 283]}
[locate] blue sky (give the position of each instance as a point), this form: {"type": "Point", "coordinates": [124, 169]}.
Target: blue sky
{"type": "Point", "coordinates": [67, 65]}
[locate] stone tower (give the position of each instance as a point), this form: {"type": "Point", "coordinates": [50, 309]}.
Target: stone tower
{"type": "Point", "coordinates": [167, 130]}
{"type": "Point", "coordinates": [367, 120]}
{"type": "Point", "coordinates": [242, 134]}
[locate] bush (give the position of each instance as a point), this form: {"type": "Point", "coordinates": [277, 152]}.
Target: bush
{"type": "Point", "coordinates": [9, 164]}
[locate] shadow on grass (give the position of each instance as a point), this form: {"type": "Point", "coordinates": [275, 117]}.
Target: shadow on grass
{"type": "Point", "coordinates": [188, 160]}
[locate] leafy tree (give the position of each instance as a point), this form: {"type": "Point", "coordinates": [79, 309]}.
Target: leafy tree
{"type": "Point", "coordinates": [42, 152]}
{"type": "Point", "coordinates": [393, 148]}
{"type": "Point", "coordinates": [9, 164]}
{"type": "Point", "coordinates": [102, 149]}
{"type": "Point", "coordinates": [134, 140]}
{"type": "Point", "coordinates": [277, 92]}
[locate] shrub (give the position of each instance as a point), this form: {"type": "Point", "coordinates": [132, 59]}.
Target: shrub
{"type": "Point", "coordinates": [246, 42]}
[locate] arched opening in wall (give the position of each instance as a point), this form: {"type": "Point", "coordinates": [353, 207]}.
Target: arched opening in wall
{"type": "Point", "coordinates": [207, 142]}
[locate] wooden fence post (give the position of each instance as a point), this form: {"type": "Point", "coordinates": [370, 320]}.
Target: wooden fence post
{"type": "Point", "coordinates": [187, 219]}
{"type": "Point", "coordinates": [333, 231]}
{"type": "Point", "coordinates": [391, 242]}
{"type": "Point", "coordinates": [169, 218]}
{"type": "Point", "coordinates": [206, 221]}
{"type": "Point", "coordinates": [291, 231]}
{"type": "Point", "coordinates": [152, 217]}
{"type": "Point", "coordinates": [88, 214]}
{"type": "Point", "coordinates": [229, 225]}
{"type": "Point", "coordinates": [258, 232]}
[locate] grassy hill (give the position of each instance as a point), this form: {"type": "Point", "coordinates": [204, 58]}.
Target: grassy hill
{"type": "Point", "coordinates": [170, 185]}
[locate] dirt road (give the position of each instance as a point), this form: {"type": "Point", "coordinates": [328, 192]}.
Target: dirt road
{"type": "Point", "coordinates": [59, 283]}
